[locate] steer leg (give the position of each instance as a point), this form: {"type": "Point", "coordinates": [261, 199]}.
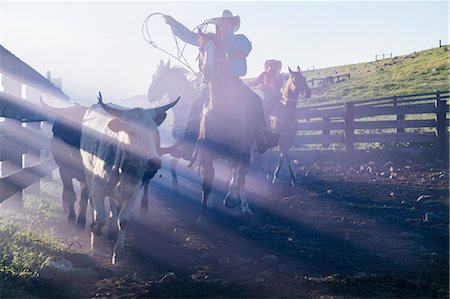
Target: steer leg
{"type": "Point", "coordinates": [100, 215]}
{"type": "Point", "coordinates": [113, 225]}
{"type": "Point", "coordinates": [81, 220]}
{"type": "Point", "coordinates": [123, 223]}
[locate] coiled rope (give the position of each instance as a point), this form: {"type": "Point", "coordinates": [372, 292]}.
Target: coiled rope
{"type": "Point", "coordinates": [179, 56]}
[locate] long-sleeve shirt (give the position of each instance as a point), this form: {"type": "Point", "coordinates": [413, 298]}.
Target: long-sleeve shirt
{"type": "Point", "coordinates": [237, 47]}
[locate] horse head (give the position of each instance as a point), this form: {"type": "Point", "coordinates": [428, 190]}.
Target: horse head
{"type": "Point", "coordinates": [212, 59]}
{"type": "Point", "coordinates": [159, 86]}
{"type": "Point", "coordinates": [297, 83]}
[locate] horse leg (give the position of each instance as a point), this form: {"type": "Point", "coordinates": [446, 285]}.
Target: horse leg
{"type": "Point", "coordinates": [231, 198]}
{"type": "Point", "coordinates": [243, 171]}
{"type": "Point", "coordinates": [208, 178]}
{"type": "Point", "coordinates": [81, 220]}
{"type": "Point", "coordinates": [173, 170]}
{"type": "Point", "coordinates": [288, 162]}
{"type": "Point", "coordinates": [278, 168]}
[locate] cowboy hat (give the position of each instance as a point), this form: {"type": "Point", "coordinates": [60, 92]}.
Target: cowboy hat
{"type": "Point", "coordinates": [273, 62]}
{"type": "Point", "coordinates": [227, 19]}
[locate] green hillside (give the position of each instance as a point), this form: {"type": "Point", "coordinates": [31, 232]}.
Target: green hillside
{"type": "Point", "coordinates": [419, 72]}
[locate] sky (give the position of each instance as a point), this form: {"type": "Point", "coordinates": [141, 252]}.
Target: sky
{"type": "Point", "coordinates": [99, 45]}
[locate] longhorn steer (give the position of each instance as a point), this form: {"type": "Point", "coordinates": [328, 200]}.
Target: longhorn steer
{"type": "Point", "coordinates": [118, 146]}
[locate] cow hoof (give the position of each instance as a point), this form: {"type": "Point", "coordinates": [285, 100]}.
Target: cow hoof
{"type": "Point", "coordinates": [230, 200]}
{"type": "Point", "coordinates": [292, 183]}
{"type": "Point", "coordinates": [201, 222]}
{"type": "Point", "coordinates": [81, 223]}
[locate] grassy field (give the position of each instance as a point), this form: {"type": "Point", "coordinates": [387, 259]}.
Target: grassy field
{"type": "Point", "coordinates": [418, 72]}
{"type": "Point", "coordinates": [28, 238]}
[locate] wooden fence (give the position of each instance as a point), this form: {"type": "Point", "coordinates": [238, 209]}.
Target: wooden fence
{"type": "Point", "coordinates": [408, 119]}
{"type": "Point", "coordinates": [24, 139]}
{"type": "Point", "coordinates": [328, 80]}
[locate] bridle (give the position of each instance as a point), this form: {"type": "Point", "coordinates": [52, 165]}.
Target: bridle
{"type": "Point", "coordinates": [296, 92]}
{"type": "Point", "coordinates": [201, 54]}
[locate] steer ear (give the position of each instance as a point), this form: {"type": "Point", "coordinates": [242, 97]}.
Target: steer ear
{"type": "Point", "coordinates": [159, 118]}
{"type": "Point", "coordinates": [116, 125]}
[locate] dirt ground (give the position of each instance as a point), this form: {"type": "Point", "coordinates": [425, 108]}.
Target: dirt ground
{"type": "Point", "coordinates": [345, 230]}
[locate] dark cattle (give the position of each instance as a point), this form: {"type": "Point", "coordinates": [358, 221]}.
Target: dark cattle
{"type": "Point", "coordinates": [65, 145]}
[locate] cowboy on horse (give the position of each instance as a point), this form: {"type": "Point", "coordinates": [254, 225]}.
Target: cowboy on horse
{"type": "Point", "coordinates": [269, 82]}
{"type": "Point", "coordinates": [237, 47]}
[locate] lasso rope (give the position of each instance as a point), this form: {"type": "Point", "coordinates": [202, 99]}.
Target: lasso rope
{"type": "Point", "coordinates": [180, 51]}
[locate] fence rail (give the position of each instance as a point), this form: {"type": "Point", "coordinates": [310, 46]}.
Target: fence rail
{"type": "Point", "coordinates": [411, 119]}
{"type": "Point", "coordinates": [24, 140]}
{"type": "Point", "coordinates": [328, 80]}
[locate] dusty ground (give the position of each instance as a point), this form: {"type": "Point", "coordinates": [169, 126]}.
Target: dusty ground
{"type": "Point", "coordinates": [346, 230]}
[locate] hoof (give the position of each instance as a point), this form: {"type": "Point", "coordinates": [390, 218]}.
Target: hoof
{"type": "Point", "coordinates": [71, 219]}
{"type": "Point", "coordinates": [293, 183]}
{"type": "Point", "coordinates": [96, 230]}
{"type": "Point", "coordinates": [230, 201]}
{"type": "Point", "coordinates": [81, 223]}
{"type": "Point", "coordinates": [201, 221]}
{"type": "Point", "coordinates": [246, 210]}
{"type": "Point", "coordinates": [117, 257]}
{"type": "Point", "coordinates": [143, 212]}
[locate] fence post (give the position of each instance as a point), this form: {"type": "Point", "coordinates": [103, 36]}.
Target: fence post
{"type": "Point", "coordinates": [32, 157]}
{"type": "Point", "coordinates": [441, 127]}
{"type": "Point", "coordinates": [326, 132]}
{"type": "Point", "coordinates": [399, 116]}
{"type": "Point", "coordinates": [348, 127]}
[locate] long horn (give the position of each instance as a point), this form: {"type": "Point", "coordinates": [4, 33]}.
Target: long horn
{"type": "Point", "coordinates": [54, 110]}
{"type": "Point", "coordinates": [166, 107]}
{"type": "Point", "coordinates": [113, 111]}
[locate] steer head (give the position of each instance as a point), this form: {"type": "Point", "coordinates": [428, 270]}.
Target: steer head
{"type": "Point", "coordinates": [137, 130]}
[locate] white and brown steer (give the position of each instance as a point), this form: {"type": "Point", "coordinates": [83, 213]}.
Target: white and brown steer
{"type": "Point", "coordinates": [118, 146]}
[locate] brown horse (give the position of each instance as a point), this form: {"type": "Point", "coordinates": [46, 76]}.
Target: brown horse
{"type": "Point", "coordinates": [284, 120]}
{"type": "Point", "coordinates": [226, 127]}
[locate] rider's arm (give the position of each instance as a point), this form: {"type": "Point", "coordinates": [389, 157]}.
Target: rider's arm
{"type": "Point", "coordinates": [258, 81]}
{"type": "Point", "coordinates": [182, 32]}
